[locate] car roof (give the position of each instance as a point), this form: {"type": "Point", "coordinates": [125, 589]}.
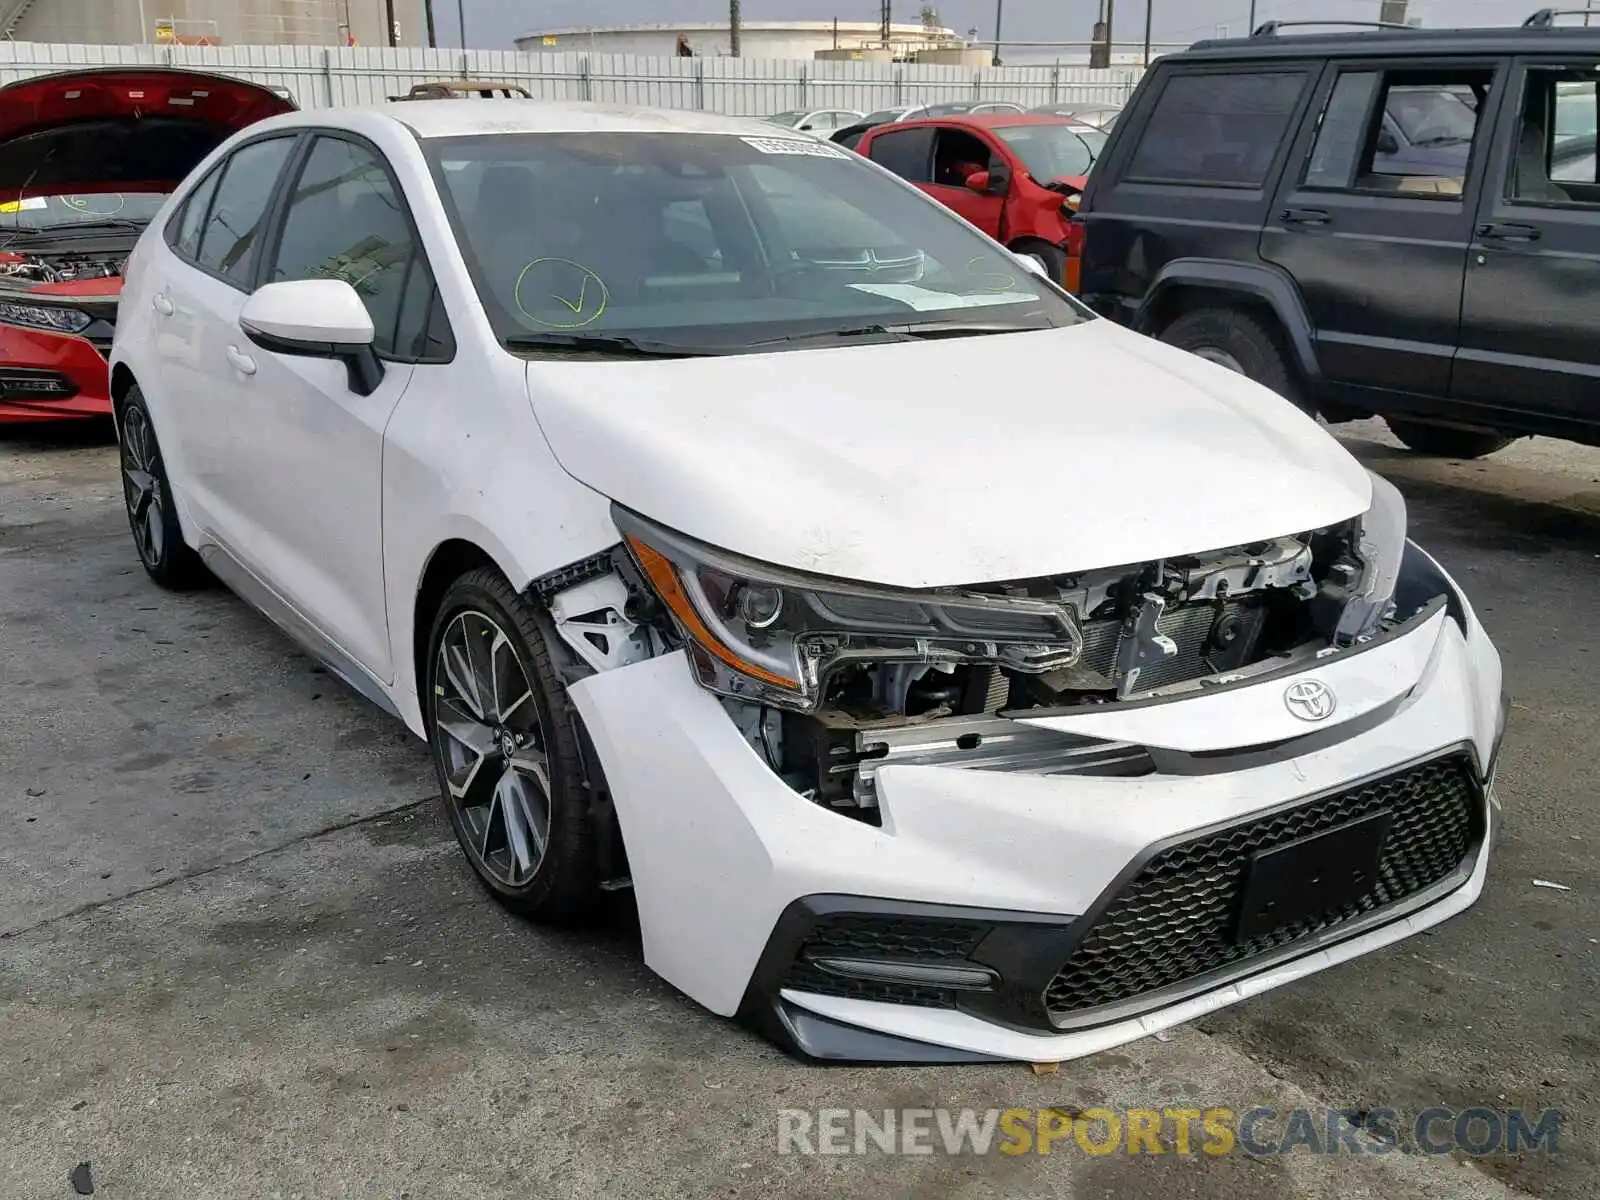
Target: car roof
{"type": "Point", "coordinates": [464, 118]}
{"type": "Point", "coordinates": [988, 120]}
{"type": "Point", "coordinates": [1515, 39]}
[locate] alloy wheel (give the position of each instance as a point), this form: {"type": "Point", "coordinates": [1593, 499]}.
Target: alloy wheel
{"type": "Point", "coordinates": [141, 486]}
{"type": "Point", "coordinates": [491, 744]}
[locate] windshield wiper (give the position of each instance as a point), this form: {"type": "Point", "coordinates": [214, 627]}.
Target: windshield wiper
{"type": "Point", "coordinates": [57, 228]}
{"type": "Point", "coordinates": [606, 343]}
{"type": "Point", "coordinates": [896, 333]}
{"type": "Point", "coordinates": [1443, 139]}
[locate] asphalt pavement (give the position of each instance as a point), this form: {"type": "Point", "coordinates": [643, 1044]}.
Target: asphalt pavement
{"type": "Point", "coordinates": [240, 955]}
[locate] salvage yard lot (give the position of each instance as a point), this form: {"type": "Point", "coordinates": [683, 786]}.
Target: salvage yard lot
{"type": "Point", "coordinates": [241, 955]}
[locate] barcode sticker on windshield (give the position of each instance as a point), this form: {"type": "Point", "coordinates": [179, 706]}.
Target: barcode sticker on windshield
{"type": "Point", "coordinates": [772, 145]}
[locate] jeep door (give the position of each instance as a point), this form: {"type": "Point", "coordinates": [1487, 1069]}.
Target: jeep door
{"type": "Point", "coordinates": [1530, 336]}
{"type": "Point", "coordinates": [1376, 242]}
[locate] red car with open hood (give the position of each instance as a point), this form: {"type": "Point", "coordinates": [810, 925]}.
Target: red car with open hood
{"type": "Point", "coordinates": [87, 159]}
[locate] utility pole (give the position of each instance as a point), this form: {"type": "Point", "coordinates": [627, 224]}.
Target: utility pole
{"type": "Point", "coordinates": [1251, 27]}
{"type": "Point", "coordinates": [427, 16]}
{"type": "Point", "coordinates": [1148, 6]}
{"type": "Point", "coordinates": [733, 27]}
{"type": "Point", "coordinates": [388, 7]}
{"type": "Point", "coordinates": [461, 16]}
{"type": "Point", "coordinates": [999, 11]}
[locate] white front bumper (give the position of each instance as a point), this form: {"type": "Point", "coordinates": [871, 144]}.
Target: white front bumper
{"type": "Point", "coordinates": [719, 847]}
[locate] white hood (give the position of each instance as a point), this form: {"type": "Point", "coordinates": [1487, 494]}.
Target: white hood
{"type": "Point", "coordinates": [964, 460]}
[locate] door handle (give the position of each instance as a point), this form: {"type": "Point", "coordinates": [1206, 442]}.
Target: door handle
{"type": "Point", "coordinates": [161, 304]}
{"type": "Point", "coordinates": [242, 363]}
{"type": "Point", "coordinates": [1508, 231]}
{"type": "Point", "coordinates": [1304, 216]}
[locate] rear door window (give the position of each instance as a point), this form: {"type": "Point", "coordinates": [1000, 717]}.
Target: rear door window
{"type": "Point", "coordinates": [231, 238]}
{"type": "Point", "coordinates": [1218, 130]}
{"type": "Point", "coordinates": [1408, 133]}
{"type": "Point", "coordinates": [184, 235]}
{"type": "Point", "coordinates": [906, 152]}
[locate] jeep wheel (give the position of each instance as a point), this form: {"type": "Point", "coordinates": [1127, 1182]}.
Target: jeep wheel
{"type": "Point", "coordinates": [1446, 440]}
{"type": "Point", "coordinates": [1235, 340]}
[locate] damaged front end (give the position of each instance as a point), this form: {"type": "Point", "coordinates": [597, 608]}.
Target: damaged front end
{"type": "Point", "coordinates": [830, 681]}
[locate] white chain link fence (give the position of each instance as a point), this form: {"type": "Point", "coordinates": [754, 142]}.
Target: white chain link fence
{"type": "Point", "coordinates": [319, 77]}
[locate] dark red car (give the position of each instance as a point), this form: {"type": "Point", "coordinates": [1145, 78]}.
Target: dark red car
{"type": "Point", "coordinates": [1016, 176]}
{"type": "Point", "coordinates": [87, 159]}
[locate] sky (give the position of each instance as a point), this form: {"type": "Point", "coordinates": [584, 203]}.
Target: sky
{"type": "Point", "coordinates": [494, 23]}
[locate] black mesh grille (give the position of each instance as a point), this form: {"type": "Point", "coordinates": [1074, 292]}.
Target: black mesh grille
{"type": "Point", "coordinates": [1174, 919]}
{"type": "Point", "coordinates": [883, 938]}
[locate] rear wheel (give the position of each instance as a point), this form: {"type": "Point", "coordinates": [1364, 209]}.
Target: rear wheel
{"type": "Point", "coordinates": [147, 494]}
{"type": "Point", "coordinates": [505, 746]}
{"type": "Point", "coordinates": [1446, 440]}
{"type": "Point", "coordinates": [1236, 340]}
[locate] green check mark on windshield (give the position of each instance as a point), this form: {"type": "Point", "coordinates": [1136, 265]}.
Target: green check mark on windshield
{"type": "Point", "coordinates": [576, 306]}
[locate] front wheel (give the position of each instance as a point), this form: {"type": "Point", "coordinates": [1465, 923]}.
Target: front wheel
{"type": "Point", "coordinates": [1052, 258]}
{"type": "Point", "coordinates": [1446, 440]}
{"type": "Point", "coordinates": [1238, 341]}
{"type": "Point", "coordinates": [505, 746]}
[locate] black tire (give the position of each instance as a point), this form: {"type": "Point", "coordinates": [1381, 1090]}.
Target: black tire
{"type": "Point", "coordinates": [1052, 258]}
{"type": "Point", "coordinates": [1445, 440]}
{"type": "Point", "coordinates": [147, 496]}
{"type": "Point", "coordinates": [564, 885]}
{"type": "Point", "coordinates": [1228, 333]}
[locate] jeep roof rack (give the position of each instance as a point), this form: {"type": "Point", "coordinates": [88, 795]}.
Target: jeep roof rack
{"type": "Point", "coordinates": [1545, 18]}
{"type": "Point", "coordinates": [1270, 28]}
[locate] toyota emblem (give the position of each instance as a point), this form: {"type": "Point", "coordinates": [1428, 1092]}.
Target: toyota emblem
{"type": "Point", "coordinates": [1310, 699]}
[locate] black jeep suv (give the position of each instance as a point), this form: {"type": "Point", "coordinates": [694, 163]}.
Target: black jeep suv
{"type": "Point", "coordinates": [1394, 221]}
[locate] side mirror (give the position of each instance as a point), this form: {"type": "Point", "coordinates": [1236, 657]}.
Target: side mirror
{"type": "Point", "coordinates": [316, 318]}
{"type": "Point", "coordinates": [978, 181]}
{"type": "Point", "coordinates": [999, 179]}
{"type": "Point", "coordinates": [805, 128]}
{"type": "Point", "coordinates": [1387, 143]}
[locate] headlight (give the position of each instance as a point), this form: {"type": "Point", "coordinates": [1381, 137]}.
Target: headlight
{"type": "Point", "coordinates": [36, 316]}
{"type": "Point", "coordinates": [1380, 547]}
{"type": "Point", "coordinates": [772, 635]}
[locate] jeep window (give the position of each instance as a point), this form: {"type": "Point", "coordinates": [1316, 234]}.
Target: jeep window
{"type": "Point", "coordinates": [957, 154]}
{"type": "Point", "coordinates": [906, 152]}
{"type": "Point", "coordinates": [1554, 159]}
{"type": "Point", "coordinates": [1404, 133]}
{"type": "Point", "coordinates": [1220, 130]}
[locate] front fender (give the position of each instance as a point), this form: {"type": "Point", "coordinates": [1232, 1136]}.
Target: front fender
{"type": "Point", "coordinates": [1270, 285]}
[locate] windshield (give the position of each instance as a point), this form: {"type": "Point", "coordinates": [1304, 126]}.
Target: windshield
{"type": "Point", "coordinates": [1432, 116]}
{"type": "Point", "coordinates": [63, 212]}
{"type": "Point", "coordinates": [883, 116]}
{"type": "Point", "coordinates": [717, 240]}
{"type": "Point", "coordinates": [785, 118]}
{"type": "Point", "coordinates": [1051, 151]}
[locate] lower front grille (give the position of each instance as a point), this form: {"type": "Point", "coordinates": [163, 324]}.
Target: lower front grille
{"type": "Point", "coordinates": [28, 383]}
{"type": "Point", "coordinates": [883, 938]}
{"type": "Point", "coordinates": [1173, 921]}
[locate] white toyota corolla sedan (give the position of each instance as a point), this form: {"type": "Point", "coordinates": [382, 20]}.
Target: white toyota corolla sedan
{"type": "Point", "coordinates": [951, 674]}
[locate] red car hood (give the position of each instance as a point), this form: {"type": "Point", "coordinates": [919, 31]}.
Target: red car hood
{"type": "Point", "coordinates": [119, 129]}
